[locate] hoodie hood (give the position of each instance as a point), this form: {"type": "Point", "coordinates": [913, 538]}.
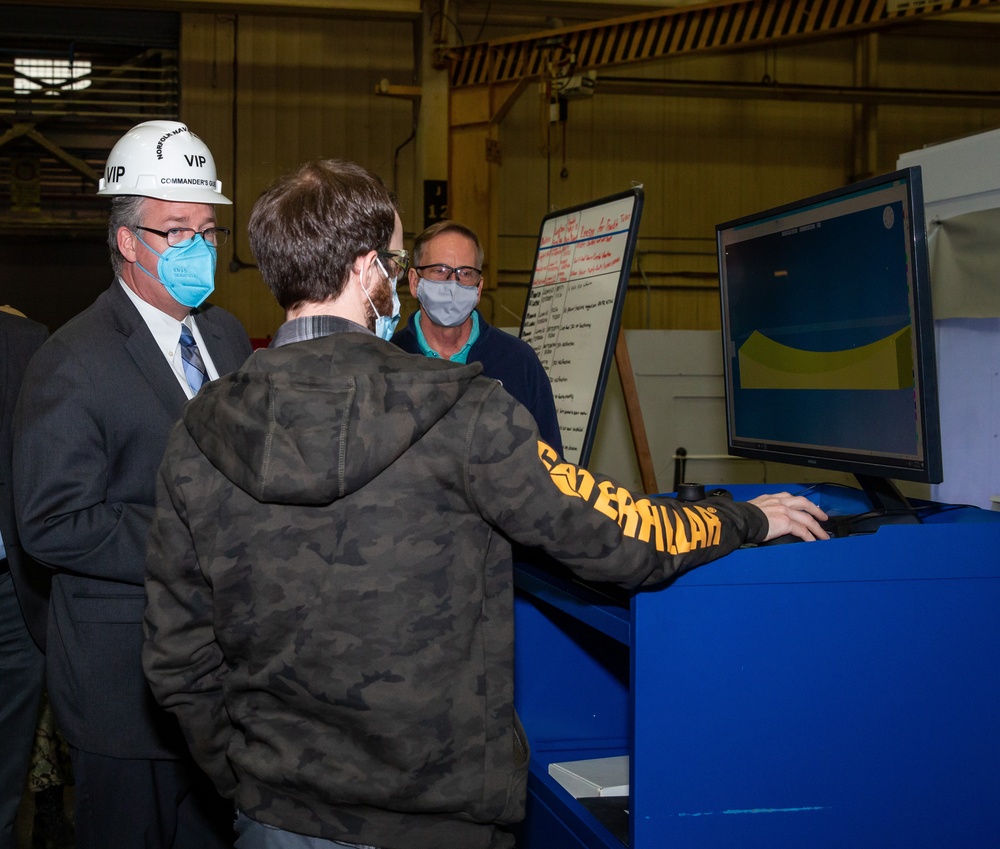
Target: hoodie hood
{"type": "Point", "coordinates": [313, 421]}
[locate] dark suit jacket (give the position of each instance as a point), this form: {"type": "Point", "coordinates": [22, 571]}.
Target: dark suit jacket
{"type": "Point", "coordinates": [95, 409]}
{"type": "Point", "coordinates": [19, 339]}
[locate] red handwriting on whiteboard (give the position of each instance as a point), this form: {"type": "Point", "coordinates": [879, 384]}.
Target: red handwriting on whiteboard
{"type": "Point", "coordinates": [567, 230]}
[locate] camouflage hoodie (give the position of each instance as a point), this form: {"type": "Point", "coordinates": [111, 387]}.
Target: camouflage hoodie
{"type": "Point", "coordinates": [329, 577]}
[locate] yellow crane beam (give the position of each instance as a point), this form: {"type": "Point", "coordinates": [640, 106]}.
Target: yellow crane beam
{"type": "Point", "coordinates": [715, 26]}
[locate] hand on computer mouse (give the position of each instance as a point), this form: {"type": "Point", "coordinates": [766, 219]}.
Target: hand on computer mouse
{"type": "Point", "coordinates": [791, 514]}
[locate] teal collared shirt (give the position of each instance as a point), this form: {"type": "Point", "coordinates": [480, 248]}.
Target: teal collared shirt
{"type": "Point", "coordinates": [458, 357]}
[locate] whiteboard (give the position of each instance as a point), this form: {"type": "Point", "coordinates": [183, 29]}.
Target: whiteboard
{"type": "Point", "coordinates": [573, 310]}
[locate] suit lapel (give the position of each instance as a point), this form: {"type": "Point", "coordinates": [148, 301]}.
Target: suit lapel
{"type": "Point", "coordinates": [217, 349]}
{"type": "Point", "coordinates": [220, 348]}
{"type": "Point", "coordinates": [142, 348]}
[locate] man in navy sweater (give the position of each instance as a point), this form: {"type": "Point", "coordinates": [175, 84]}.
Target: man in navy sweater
{"type": "Point", "coordinates": [447, 280]}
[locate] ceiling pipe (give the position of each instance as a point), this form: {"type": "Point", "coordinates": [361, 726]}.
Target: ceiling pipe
{"type": "Point", "coordinates": [641, 86]}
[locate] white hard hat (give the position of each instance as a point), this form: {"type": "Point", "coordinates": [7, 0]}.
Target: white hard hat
{"type": "Point", "coordinates": [165, 160]}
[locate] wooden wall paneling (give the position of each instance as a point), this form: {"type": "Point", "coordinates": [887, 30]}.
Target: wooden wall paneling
{"type": "Point", "coordinates": [209, 105]}
{"type": "Point", "coordinates": [469, 191]}
{"type": "Point", "coordinates": [927, 62]}
{"type": "Point", "coordinates": [273, 92]}
{"type": "Point", "coordinates": [303, 88]}
{"type": "Point", "coordinates": [522, 181]}
{"type": "Point", "coordinates": [316, 79]}
{"type": "Point", "coordinates": [556, 54]}
{"type": "Point", "coordinates": [474, 168]}
{"type": "Point", "coordinates": [707, 160]}
{"type": "Point", "coordinates": [257, 118]}
{"type": "Point", "coordinates": [292, 92]}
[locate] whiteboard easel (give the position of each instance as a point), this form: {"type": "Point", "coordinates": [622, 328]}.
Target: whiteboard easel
{"type": "Point", "coordinates": [572, 316]}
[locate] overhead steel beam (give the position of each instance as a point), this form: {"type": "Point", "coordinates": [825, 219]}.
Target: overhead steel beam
{"type": "Point", "coordinates": [402, 9]}
{"type": "Point", "coordinates": [643, 86]}
{"type": "Point", "coordinates": [28, 130]}
{"type": "Point", "coordinates": [708, 27]}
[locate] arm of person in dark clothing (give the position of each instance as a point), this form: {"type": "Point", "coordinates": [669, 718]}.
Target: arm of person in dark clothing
{"type": "Point", "coordinates": [597, 527]}
{"type": "Point", "coordinates": [61, 473]}
{"type": "Point", "coordinates": [182, 658]}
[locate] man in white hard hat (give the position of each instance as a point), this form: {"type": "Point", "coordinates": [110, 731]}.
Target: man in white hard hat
{"type": "Point", "coordinates": [97, 403]}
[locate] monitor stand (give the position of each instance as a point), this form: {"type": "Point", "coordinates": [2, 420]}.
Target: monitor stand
{"type": "Point", "coordinates": [889, 506]}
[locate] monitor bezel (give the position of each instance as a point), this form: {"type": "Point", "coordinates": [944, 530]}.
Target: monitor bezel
{"type": "Point", "coordinates": [927, 469]}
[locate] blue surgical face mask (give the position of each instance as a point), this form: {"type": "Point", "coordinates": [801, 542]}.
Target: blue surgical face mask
{"type": "Point", "coordinates": [385, 325]}
{"type": "Point", "coordinates": [187, 271]}
{"type": "Point", "coordinates": [447, 303]}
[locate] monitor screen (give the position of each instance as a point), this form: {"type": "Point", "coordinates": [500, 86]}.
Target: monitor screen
{"type": "Point", "coordinates": [829, 343]}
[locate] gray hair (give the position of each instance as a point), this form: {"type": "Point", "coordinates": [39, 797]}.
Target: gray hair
{"type": "Point", "coordinates": [438, 228]}
{"type": "Point", "coordinates": [126, 211]}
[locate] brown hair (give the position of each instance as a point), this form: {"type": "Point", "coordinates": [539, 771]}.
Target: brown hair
{"type": "Point", "coordinates": [308, 228]}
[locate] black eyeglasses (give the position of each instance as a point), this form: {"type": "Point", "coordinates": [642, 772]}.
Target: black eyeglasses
{"type": "Point", "coordinates": [215, 236]}
{"type": "Point", "coordinates": [401, 259]}
{"type": "Point", "coordinates": [440, 273]}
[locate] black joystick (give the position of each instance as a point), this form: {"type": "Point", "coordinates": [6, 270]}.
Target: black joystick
{"type": "Point", "coordinates": [690, 492]}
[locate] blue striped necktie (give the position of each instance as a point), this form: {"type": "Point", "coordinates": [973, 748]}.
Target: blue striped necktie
{"type": "Point", "coordinates": [194, 365]}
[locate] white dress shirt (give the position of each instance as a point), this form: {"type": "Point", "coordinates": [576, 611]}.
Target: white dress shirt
{"type": "Point", "coordinates": [166, 332]}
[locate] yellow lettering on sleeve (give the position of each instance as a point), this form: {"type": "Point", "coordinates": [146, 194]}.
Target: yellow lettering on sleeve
{"type": "Point", "coordinates": [680, 543]}
{"type": "Point", "coordinates": [570, 479]}
{"type": "Point", "coordinates": [628, 517]}
{"type": "Point", "coordinates": [649, 523]}
{"type": "Point", "coordinates": [668, 530]}
{"type": "Point", "coordinates": [547, 454]}
{"type": "Point", "coordinates": [699, 537]}
{"type": "Point", "coordinates": [605, 502]}
{"type": "Point", "coordinates": [713, 525]}
{"type": "Point", "coordinates": [673, 531]}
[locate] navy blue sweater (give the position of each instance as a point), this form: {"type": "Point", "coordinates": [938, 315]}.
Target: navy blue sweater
{"type": "Point", "coordinates": [514, 363]}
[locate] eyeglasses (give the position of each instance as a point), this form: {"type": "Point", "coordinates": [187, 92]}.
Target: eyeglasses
{"type": "Point", "coordinates": [440, 273]}
{"type": "Point", "coordinates": [215, 236]}
{"type": "Point", "coordinates": [401, 259]}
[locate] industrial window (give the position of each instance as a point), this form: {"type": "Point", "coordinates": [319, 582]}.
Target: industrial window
{"type": "Point", "coordinates": [50, 76]}
{"type": "Point", "coordinates": [72, 82]}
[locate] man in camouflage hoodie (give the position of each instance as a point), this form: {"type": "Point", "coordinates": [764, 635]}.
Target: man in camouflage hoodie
{"type": "Point", "coordinates": [330, 587]}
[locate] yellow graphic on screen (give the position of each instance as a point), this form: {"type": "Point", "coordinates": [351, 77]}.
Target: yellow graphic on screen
{"type": "Point", "coordinates": [885, 364]}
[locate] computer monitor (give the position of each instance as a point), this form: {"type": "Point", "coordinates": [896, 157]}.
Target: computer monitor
{"type": "Point", "coordinates": [828, 336]}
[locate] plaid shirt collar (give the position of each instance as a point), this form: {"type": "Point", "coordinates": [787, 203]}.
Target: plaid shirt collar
{"type": "Point", "coordinates": [314, 327]}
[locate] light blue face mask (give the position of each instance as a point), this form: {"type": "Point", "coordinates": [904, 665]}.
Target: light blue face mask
{"type": "Point", "coordinates": [447, 303]}
{"type": "Point", "coordinates": [385, 325]}
{"type": "Point", "coordinates": [187, 270]}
